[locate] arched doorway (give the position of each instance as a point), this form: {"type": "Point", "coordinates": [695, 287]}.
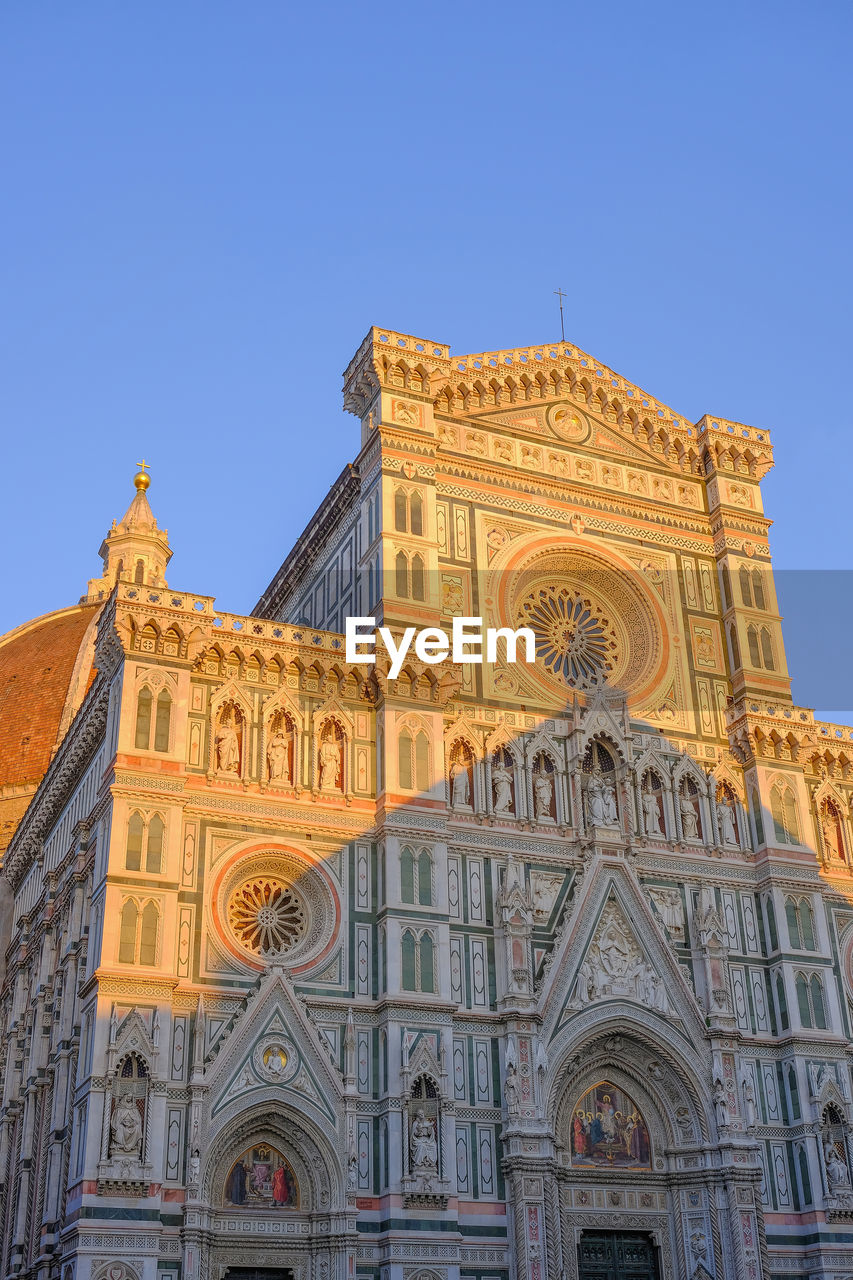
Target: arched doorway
{"type": "Point", "coordinates": [628, 1207]}
{"type": "Point", "coordinates": [274, 1202]}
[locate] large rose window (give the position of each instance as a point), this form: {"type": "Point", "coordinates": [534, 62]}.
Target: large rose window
{"type": "Point", "coordinates": [597, 619]}
{"type": "Point", "coordinates": [575, 639]}
{"type": "Point", "coordinates": [267, 916]}
{"type": "Point", "coordinates": [275, 906]}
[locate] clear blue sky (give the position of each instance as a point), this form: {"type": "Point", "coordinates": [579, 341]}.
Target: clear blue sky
{"type": "Point", "coordinates": [207, 204]}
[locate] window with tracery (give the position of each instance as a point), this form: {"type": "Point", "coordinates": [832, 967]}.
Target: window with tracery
{"type": "Point", "coordinates": [413, 760]}
{"type": "Point", "coordinates": [418, 960]}
{"type": "Point", "coordinates": [409, 577]}
{"type": "Point", "coordinates": [783, 808]}
{"type": "Point", "coordinates": [760, 647]}
{"type": "Point", "coordinates": [757, 817]}
{"type": "Point", "coordinates": [798, 914]}
{"type": "Point", "coordinates": [408, 512]}
{"type": "Point", "coordinates": [416, 876]}
{"type": "Point", "coordinates": [139, 932]}
{"type": "Point", "coordinates": [161, 714]}
{"type": "Point", "coordinates": [782, 1002]}
{"type": "Point", "coordinates": [810, 1001]}
{"type": "Point", "coordinates": [734, 647]}
{"type": "Point", "coordinates": [145, 838]}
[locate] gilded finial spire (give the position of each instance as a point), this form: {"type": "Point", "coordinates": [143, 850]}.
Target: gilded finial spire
{"type": "Point", "coordinates": [134, 550]}
{"type": "Point", "coordinates": [141, 479]}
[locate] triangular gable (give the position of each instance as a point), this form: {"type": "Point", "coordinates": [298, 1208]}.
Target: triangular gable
{"type": "Point", "coordinates": [272, 1043]}
{"type": "Point", "coordinates": [617, 950]}
{"type": "Point", "coordinates": [608, 438]}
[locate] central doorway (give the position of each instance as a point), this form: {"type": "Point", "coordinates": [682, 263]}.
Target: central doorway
{"type": "Point", "coordinates": [617, 1255]}
{"type": "Point", "coordinates": [259, 1273]}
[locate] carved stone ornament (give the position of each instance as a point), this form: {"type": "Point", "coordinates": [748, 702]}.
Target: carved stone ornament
{"type": "Point", "coordinates": [615, 967]}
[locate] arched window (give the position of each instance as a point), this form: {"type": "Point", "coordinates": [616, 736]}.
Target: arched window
{"type": "Point", "coordinates": [793, 918]}
{"type": "Point", "coordinates": [794, 1094]}
{"type": "Point", "coordinates": [405, 759]}
{"type": "Point", "coordinates": [127, 937]}
{"type": "Point", "coordinates": [402, 576]}
{"type": "Point", "coordinates": [139, 933]}
{"type": "Point", "coordinates": [818, 1007]}
{"type": "Point", "coordinates": [383, 974]}
{"type": "Point", "coordinates": [162, 721]}
{"type": "Point", "coordinates": [133, 857]}
{"type": "Point", "coordinates": [154, 848]}
{"type": "Point", "coordinates": [758, 589]}
{"type": "Point", "coordinates": [783, 808]}
{"type": "Point", "coordinates": [752, 639]}
{"type": "Point", "coordinates": [734, 646]}
{"type": "Point", "coordinates": [805, 1180]}
{"type": "Point", "coordinates": [767, 650]}
{"type": "Point", "coordinates": [727, 586]}
{"type": "Point", "coordinates": [789, 814]}
{"type": "Point", "coordinates": [810, 1001]}
{"type": "Point", "coordinates": [143, 718]}
{"type": "Point", "coordinates": [148, 934]}
{"type": "Point", "coordinates": [745, 586]}
{"type": "Point", "coordinates": [416, 876]}
{"type": "Point", "coordinates": [800, 923]}
{"type": "Point", "coordinates": [416, 514]}
{"type": "Point", "coordinates": [400, 511]}
{"type": "Point", "coordinates": [422, 779]}
{"type": "Point", "coordinates": [418, 961]}
{"type": "Point", "coordinates": [418, 584]}
{"type": "Point", "coordinates": [803, 1003]}
{"type": "Point", "coordinates": [139, 575]}
{"type": "Point", "coordinates": [783, 1003]}
{"type": "Point", "coordinates": [407, 874]}
{"type": "Point", "coordinates": [409, 956]}
{"type": "Point", "coordinates": [424, 878]}
{"type": "Point", "coordinates": [757, 817]}
{"type": "Point", "coordinates": [427, 963]}
{"type": "Point", "coordinates": [771, 923]}
{"type": "Point", "coordinates": [413, 760]}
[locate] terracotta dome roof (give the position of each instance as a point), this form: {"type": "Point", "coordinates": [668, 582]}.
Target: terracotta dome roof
{"type": "Point", "coordinates": [45, 671]}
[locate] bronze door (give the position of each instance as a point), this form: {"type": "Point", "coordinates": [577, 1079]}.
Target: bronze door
{"type": "Point", "coordinates": [617, 1255]}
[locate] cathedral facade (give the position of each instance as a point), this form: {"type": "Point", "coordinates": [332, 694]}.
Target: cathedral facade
{"type": "Point", "coordinates": [497, 971]}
